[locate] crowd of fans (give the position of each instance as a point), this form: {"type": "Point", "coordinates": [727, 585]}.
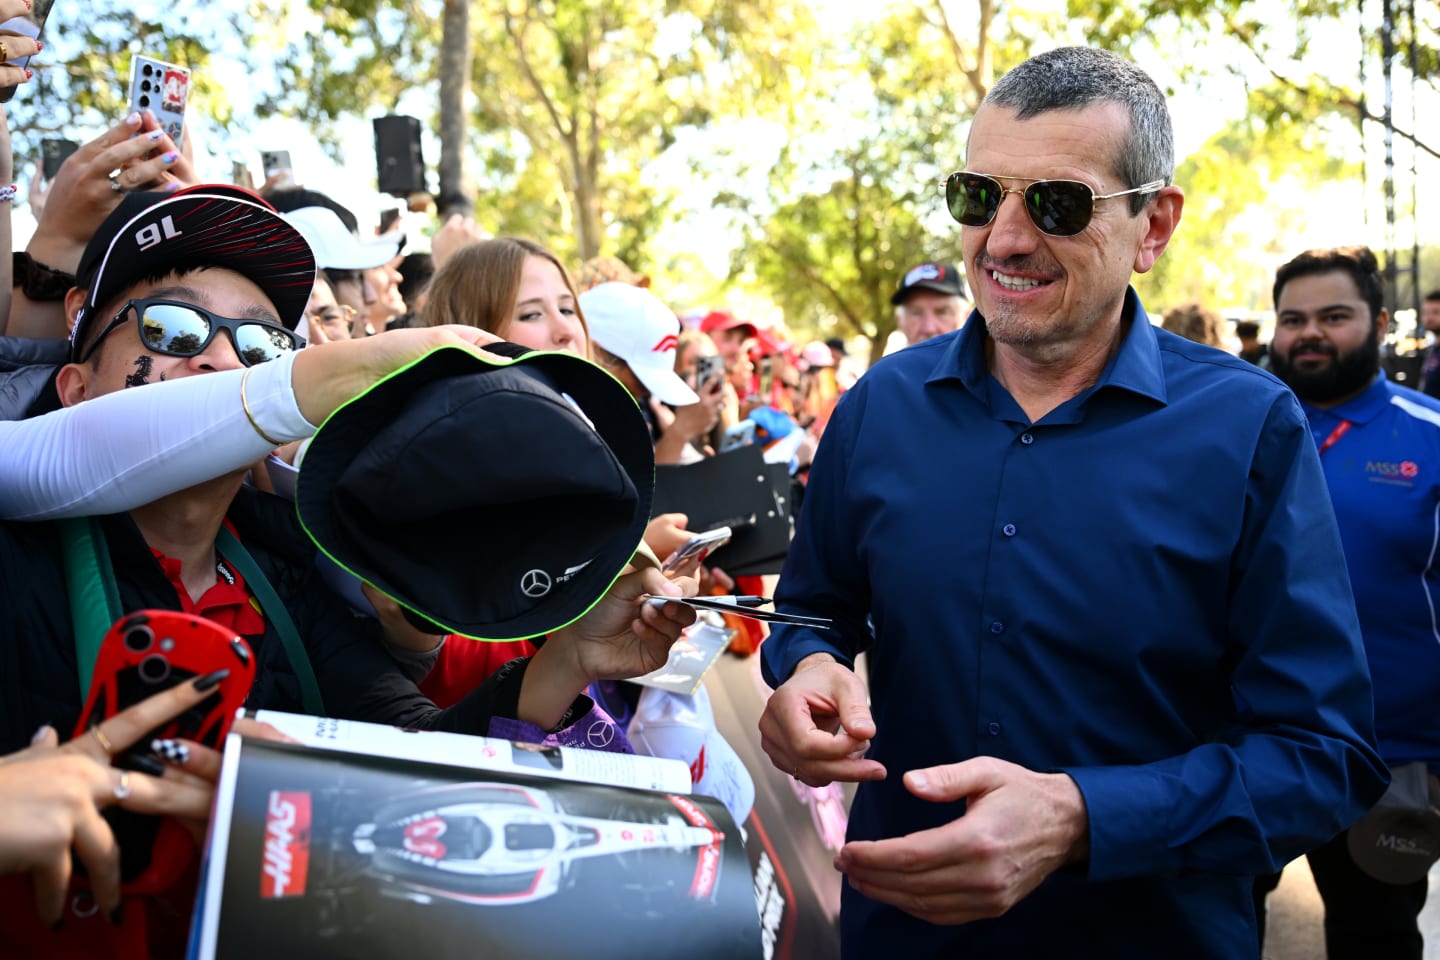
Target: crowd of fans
{"type": "Point", "coordinates": [252, 319]}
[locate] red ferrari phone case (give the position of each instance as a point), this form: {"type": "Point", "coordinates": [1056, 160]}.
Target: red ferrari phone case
{"type": "Point", "coordinates": [143, 654]}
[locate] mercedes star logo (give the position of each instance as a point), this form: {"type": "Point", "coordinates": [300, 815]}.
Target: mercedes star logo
{"type": "Point", "coordinates": [600, 734]}
{"type": "Point", "coordinates": [535, 583]}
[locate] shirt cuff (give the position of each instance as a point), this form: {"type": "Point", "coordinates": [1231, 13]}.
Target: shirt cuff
{"type": "Point", "coordinates": [272, 400]}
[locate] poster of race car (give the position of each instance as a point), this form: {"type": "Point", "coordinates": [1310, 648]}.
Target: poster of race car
{"type": "Point", "coordinates": [793, 832]}
{"type": "Point", "coordinates": [323, 854]}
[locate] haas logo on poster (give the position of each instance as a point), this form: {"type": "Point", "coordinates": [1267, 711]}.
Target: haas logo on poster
{"type": "Point", "coordinates": [287, 845]}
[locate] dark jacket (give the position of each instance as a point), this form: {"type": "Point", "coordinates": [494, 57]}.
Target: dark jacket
{"type": "Point", "coordinates": [358, 680]}
{"type": "Point", "coordinates": [27, 375]}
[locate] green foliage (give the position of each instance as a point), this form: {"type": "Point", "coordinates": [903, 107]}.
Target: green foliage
{"type": "Point", "coordinates": [82, 78]}
{"type": "Point", "coordinates": [1234, 232]}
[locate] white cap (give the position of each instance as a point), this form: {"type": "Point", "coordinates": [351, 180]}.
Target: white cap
{"type": "Point", "coordinates": [669, 724]}
{"type": "Point", "coordinates": [635, 326]}
{"type": "Point", "coordinates": [335, 247]}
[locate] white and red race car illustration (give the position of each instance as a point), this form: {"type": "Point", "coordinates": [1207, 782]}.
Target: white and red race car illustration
{"type": "Point", "coordinates": [502, 844]}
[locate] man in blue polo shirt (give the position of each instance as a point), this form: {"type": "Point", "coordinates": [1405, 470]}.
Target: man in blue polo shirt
{"type": "Point", "coordinates": [1379, 446]}
{"type": "Point", "coordinates": [1115, 668]}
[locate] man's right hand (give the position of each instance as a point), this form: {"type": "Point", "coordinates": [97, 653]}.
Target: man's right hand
{"type": "Point", "coordinates": [817, 726]}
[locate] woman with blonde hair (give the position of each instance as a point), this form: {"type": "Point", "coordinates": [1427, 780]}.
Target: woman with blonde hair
{"type": "Point", "coordinates": [513, 288]}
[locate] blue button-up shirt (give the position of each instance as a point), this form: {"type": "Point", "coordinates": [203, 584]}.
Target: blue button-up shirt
{"type": "Point", "coordinates": [1145, 590]}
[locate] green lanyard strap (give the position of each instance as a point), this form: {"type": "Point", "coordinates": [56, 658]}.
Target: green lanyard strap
{"type": "Point", "coordinates": [94, 597]}
{"type": "Point", "coordinates": [95, 602]}
{"type": "Point", "coordinates": [232, 550]}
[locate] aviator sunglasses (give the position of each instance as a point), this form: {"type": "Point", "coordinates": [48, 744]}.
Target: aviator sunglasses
{"type": "Point", "coordinates": [184, 330]}
{"type": "Point", "coordinates": [1060, 208]}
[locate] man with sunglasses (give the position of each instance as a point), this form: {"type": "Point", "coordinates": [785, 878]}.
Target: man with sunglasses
{"type": "Point", "coordinates": [1114, 662]}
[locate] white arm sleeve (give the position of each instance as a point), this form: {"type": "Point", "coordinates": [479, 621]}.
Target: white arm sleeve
{"type": "Point", "coordinates": [128, 448]}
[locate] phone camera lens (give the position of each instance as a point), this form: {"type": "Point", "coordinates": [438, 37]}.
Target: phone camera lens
{"type": "Point", "coordinates": [154, 669]}
{"type": "Point", "coordinates": [145, 85]}
{"type": "Point", "coordinates": [138, 639]}
{"type": "Point", "coordinates": [144, 101]}
{"type": "Point", "coordinates": [147, 70]}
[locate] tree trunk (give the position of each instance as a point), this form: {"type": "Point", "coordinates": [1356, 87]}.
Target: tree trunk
{"type": "Point", "coordinates": [455, 193]}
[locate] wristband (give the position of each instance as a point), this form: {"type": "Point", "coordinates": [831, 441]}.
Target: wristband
{"type": "Point", "coordinates": [8, 193]}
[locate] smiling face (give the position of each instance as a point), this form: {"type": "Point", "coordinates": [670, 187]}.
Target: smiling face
{"type": "Point", "coordinates": [1044, 296]}
{"type": "Point", "coordinates": [1326, 345]}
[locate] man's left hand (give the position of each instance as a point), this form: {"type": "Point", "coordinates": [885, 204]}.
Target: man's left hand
{"type": "Point", "coordinates": [1018, 828]}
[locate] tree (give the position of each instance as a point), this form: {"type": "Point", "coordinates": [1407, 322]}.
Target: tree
{"type": "Point", "coordinates": [857, 197]}
{"type": "Point", "coordinates": [574, 98]}
{"type": "Point", "coordinates": [455, 195]}
{"type": "Point", "coordinates": [1234, 232]}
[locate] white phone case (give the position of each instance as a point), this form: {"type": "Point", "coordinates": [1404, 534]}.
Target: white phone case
{"type": "Point", "coordinates": [162, 88]}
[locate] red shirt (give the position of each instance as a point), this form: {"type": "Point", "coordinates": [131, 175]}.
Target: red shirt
{"type": "Point", "coordinates": [229, 602]}
{"type": "Point", "coordinates": [464, 664]}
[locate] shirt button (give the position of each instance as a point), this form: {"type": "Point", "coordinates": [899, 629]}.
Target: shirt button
{"type": "Point", "coordinates": [997, 627]}
{"type": "Point", "coordinates": [1026, 439]}
{"type": "Point", "coordinates": [1009, 529]}
{"type": "Point", "coordinates": [993, 728]}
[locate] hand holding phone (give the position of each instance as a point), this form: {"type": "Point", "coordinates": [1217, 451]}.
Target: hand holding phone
{"type": "Point", "coordinates": [162, 88]}
{"type": "Point", "coordinates": [697, 548]}
{"type": "Point", "coordinates": [143, 654]}
{"type": "Point", "coordinates": [707, 369]}
{"type": "Point", "coordinates": [21, 35]}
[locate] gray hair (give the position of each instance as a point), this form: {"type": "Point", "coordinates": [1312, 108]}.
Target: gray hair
{"type": "Point", "coordinates": [1074, 77]}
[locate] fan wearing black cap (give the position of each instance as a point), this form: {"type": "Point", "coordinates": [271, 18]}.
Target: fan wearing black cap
{"type": "Point", "coordinates": [204, 281]}
{"type": "Point", "coordinates": [929, 301]}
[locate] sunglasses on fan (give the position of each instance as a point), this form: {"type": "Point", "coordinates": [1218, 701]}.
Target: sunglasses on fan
{"type": "Point", "coordinates": [1060, 208]}
{"type": "Point", "coordinates": [176, 329]}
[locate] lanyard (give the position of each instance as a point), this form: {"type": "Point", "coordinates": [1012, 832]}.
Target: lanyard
{"type": "Point", "coordinates": [1341, 428]}
{"type": "Point", "coordinates": [95, 601]}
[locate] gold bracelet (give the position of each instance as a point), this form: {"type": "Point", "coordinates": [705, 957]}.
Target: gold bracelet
{"type": "Point", "coordinates": [250, 416]}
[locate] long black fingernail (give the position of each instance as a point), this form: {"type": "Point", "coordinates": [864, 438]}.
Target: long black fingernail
{"type": "Point", "coordinates": [117, 916]}
{"type": "Point", "coordinates": [142, 763]}
{"type": "Point", "coordinates": [211, 680]}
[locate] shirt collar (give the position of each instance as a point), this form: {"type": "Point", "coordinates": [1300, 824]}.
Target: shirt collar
{"type": "Point", "coordinates": [1362, 408]}
{"type": "Point", "coordinates": [1136, 366]}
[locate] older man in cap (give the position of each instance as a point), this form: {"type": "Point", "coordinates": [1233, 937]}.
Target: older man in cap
{"type": "Point", "coordinates": [929, 301]}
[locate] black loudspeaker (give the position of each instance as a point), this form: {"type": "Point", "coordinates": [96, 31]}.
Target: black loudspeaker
{"type": "Point", "coordinates": [400, 167]}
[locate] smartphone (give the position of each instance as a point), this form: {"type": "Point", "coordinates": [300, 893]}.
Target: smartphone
{"type": "Point", "coordinates": [389, 219]}
{"type": "Point", "coordinates": [30, 25]}
{"type": "Point", "coordinates": [738, 436]}
{"type": "Point", "coordinates": [53, 153]}
{"type": "Point", "coordinates": [767, 376]}
{"type": "Point", "coordinates": [142, 654]}
{"type": "Point", "coordinates": [162, 88]}
{"type": "Point", "coordinates": [707, 369]}
{"type": "Point", "coordinates": [701, 545]}
{"type": "Point", "coordinates": [273, 162]}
